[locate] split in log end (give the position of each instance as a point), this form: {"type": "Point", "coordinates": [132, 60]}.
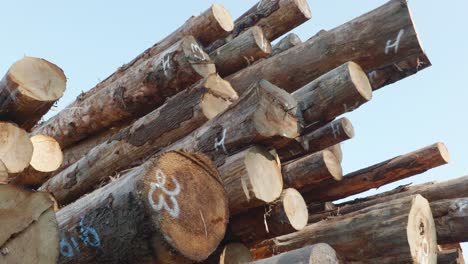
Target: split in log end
{"type": "Point", "coordinates": [223, 17]}
{"type": "Point", "coordinates": [220, 96]}
{"type": "Point", "coordinates": [47, 155]}
{"type": "Point", "coordinates": [360, 80]}
{"type": "Point", "coordinates": [295, 208]}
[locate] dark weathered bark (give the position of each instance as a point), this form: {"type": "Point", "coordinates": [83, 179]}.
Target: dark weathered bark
{"type": "Point", "coordinates": [16, 148]}
{"type": "Point", "coordinates": [137, 92]}
{"type": "Point", "coordinates": [320, 253]}
{"type": "Point", "coordinates": [374, 40]}
{"type": "Point", "coordinates": [397, 231]}
{"type": "Point", "coordinates": [291, 40]}
{"type": "Point", "coordinates": [29, 89]}
{"type": "Point", "coordinates": [285, 215]}
{"type": "Point", "coordinates": [149, 214]}
{"type": "Point", "coordinates": [451, 218]}
{"type": "Point", "coordinates": [179, 116]}
{"type": "Point", "coordinates": [275, 17]}
{"type": "Point", "coordinates": [451, 256]}
{"type": "Point", "coordinates": [29, 231]}
{"type": "Point", "coordinates": [241, 52]}
{"type": "Point", "coordinates": [388, 171]}
{"type": "Point", "coordinates": [328, 135]}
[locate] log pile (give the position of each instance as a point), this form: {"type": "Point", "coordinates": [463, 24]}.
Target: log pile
{"type": "Point", "coordinates": [217, 146]}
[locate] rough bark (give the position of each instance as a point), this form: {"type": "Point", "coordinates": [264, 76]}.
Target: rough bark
{"type": "Point", "coordinates": [312, 170]}
{"type": "Point", "coordinates": [451, 256]}
{"type": "Point", "coordinates": [397, 231]}
{"type": "Point", "coordinates": [388, 171]}
{"type": "Point", "coordinates": [289, 41]}
{"type": "Point", "coordinates": [29, 89]}
{"type": "Point", "coordinates": [451, 218]}
{"type": "Point", "coordinates": [252, 178]}
{"type": "Point", "coordinates": [328, 135]}
{"type": "Point", "coordinates": [179, 116]}
{"type": "Point", "coordinates": [320, 253]}
{"type": "Point", "coordinates": [241, 52]}
{"type": "Point", "coordinates": [16, 148]}
{"type": "Point", "coordinates": [29, 232]}
{"type": "Point", "coordinates": [374, 40]}
{"type": "Point", "coordinates": [275, 17]}
{"type": "Point", "coordinates": [153, 213]}
{"type": "Point", "coordinates": [137, 92]}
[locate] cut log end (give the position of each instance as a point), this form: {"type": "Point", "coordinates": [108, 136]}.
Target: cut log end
{"type": "Point", "coordinates": [322, 253]}
{"type": "Point", "coordinates": [223, 17]}
{"type": "Point", "coordinates": [201, 214]}
{"type": "Point", "coordinates": [262, 43]}
{"type": "Point", "coordinates": [347, 126]}
{"type": "Point", "coordinates": [219, 97]}
{"type": "Point", "coordinates": [16, 148]}
{"type": "Point", "coordinates": [200, 60]}
{"type": "Point", "coordinates": [333, 164]}
{"type": "Point", "coordinates": [235, 253]}
{"type": "Point", "coordinates": [304, 8]}
{"type": "Point", "coordinates": [360, 80]}
{"type": "Point", "coordinates": [295, 208]}
{"type": "Point", "coordinates": [421, 232]}
{"type": "Point", "coordinates": [444, 153]}
{"type": "Point", "coordinates": [47, 155]}
{"type": "Point", "coordinates": [38, 79]}
{"type": "Point", "coordinates": [264, 173]}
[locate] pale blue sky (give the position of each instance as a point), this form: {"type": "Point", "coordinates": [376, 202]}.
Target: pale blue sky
{"type": "Point", "coordinates": [91, 39]}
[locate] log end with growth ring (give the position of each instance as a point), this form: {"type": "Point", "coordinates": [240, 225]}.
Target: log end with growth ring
{"type": "Point", "coordinates": [360, 80]}
{"type": "Point", "coordinates": [196, 206]}
{"type": "Point", "coordinates": [47, 155]}
{"type": "Point", "coordinates": [219, 97]}
{"type": "Point", "coordinates": [223, 17]}
{"type": "Point", "coordinates": [295, 208]}
{"type": "Point", "coordinates": [322, 253]}
{"type": "Point", "coordinates": [235, 253]}
{"type": "Point", "coordinates": [347, 127]}
{"type": "Point", "coordinates": [421, 232]}
{"type": "Point", "coordinates": [16, 148]}
{"type": "Point", "coordinates": [333, 164]}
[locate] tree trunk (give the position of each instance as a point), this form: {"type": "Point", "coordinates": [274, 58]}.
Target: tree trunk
{"type": "Point", "coordinates": [241, 52]}
{"type": "Point", "coordinates": [233, 253]}
{"type": "Point", "coordinates": [285, 215]}
{"type": "Point", "coordinates": [451, 256]}
{"type": "Point", "coordinates": [29, 89]}
{"type": "Point", "coordinates": [374, 40]}
{"type": "Point", "coordinates": [391, 170]}
{"type": "Point", "coordinates": [275, 17]}
{"type": "Point", "coordinates": [252, 178]}
{"type": "Point", "coordinates": [179, 116]}
{"type": "Point", "coordinates": [148, 214]}
{"type": "Point", "coordinates": [291, 40]}
{"type": "Point", "coordinates": [312, 170]}
{"type": "Point", "coordinates": [398, 231]}
{"type": "Point", "coordinates": [320, 253]}
{"type": "Point", "coordinates": [451, 219]}
{"type": "Point", "coordinates": [328, 135]}
{"type": "Point", "coordinates": [139, 91]}
{"type": "Point", "coordinates": [29, 232]}
{"type": "Point", "coordinates": [16, 149]}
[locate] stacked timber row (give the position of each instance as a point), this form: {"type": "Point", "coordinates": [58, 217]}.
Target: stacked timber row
{"type": "Point", "coordinates": [217, 146]}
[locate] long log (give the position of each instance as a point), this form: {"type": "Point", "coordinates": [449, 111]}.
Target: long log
{"type": "Point", "coordinates": [285, 215]}
{"type": "Point", "coordinates": [29, 231]}
{"type": "Point", "coordinates": [252, 178]}
{"type": "Point", "coordinates": [149, 214]}
{"type": "Point", "coordinates": [275, 17]}
{"type": "Point", "coordinates": [374, 40]}
{"type": "Point", "coordinates": [398, 231]}
{"type": "Point", "coordinates": [16, 149]}
{"type": "Point", "coordinates": [388, 171]}
{"type": "Point", "coordinates": [451, 256]}
{"type": "Point", "coordinates": [241, 52]}
{"type": "Point", "coordinates": [29, 89]}
{"type": "Point", "coordinates": [137, 92]}
{"type": "Point", "coordinates": [179, 116]}
{"type": "Point", "coordinates": [312, 170]}
{"type": "Point", "coordinates": [328, 135]}
{"type": "Point", "coordinates": [289, 41]}
{"type": "Point", "coordinates": [451, 218]}
{"type": "Point", "coordinates": [320, 253]}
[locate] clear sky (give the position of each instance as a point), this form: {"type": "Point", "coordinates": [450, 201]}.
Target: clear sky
{"type": "Point", "coordinates": [90, 39]}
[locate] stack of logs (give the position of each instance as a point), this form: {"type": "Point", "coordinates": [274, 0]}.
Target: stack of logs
{"type": "Point", "coordinates": [215, 146]}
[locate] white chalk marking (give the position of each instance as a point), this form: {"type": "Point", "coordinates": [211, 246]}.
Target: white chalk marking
{"type": "Point", "coordinates": [335, 130]}
{"type": "Point", "coordinates": [197, 52]}
{"type": "Point", "coordinates": [396, 44]}
{"type": "Point", "coordinates": [220, 143]}
{"type": "Point", "coordinates": [373, 75]}
{"type": "Point", "coordinates": [249, 60]}
{"type": "Point", "coordinates": [166, 63]}
{"type": "Point", "coordinates": [174, 211]}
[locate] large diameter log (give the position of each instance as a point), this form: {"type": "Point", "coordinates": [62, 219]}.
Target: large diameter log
{"type": "Point", "coordinates": [451, 218]}
{"type": "Point", "coordinates": [312, 169]}
{"type": "Point", "coordinates": [179, 116]}
{"type": "Point", "coordinates": [29, 89]}
{"type": "Point", "coordinates": [241, 52]}
{"type": "Point", "coordinates": [327, 136]}
{"type": "Point", "coordinates": [136, 93]}
{"type": "Point", "coordinates": [451, 256]}
{"type": "Point", "coordinates": [320, 253]}
{"type": "Point", "coordinates": [285, 215]}
{"type": "Point", "coordinates": [289, 41]}
{"type": "Point", "coordinates": [16, 149]}
{"type": "Point", "coordinates": [388, 171]}
{"type": "Point", "coordinates": [374, 40]}
{"type": "Point", "coordinates": [29, 232]}
{"type": "Point", "coordinates": [275, 17]}
{"type": "Point", "coordinates": [251, 178]}
{"type": "Point", "coordinates": [398, 231]}
{"type": "Point", "coordinates": [152, 213]}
